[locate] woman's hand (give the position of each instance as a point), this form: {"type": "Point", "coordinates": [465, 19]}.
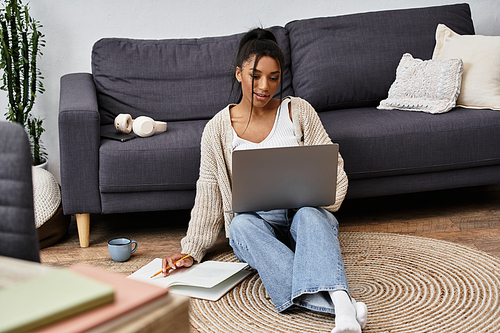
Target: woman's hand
{"type": "Point", "coordinates": [174, 262]}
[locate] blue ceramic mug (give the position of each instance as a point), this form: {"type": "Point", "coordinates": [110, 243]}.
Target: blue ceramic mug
{"type": "Point", "coordinates": [120, 249]}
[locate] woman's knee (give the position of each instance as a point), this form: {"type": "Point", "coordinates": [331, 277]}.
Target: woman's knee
{"type": "Point", "coordinates": [312, 216]}
{"type": "Point", "coordinates": [247, 224]}
{"type": "Point", "coordinates": [308, 211]}
{"type": "Point", "coordinates": [245, 232]}
{"type": "Point", "coordinates": [238, 225]}
{"type": "Point", "coordinates": [237, 238]}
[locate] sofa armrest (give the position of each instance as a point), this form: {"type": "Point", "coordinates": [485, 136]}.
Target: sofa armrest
{"type": "Point", "coordinates": [79, 141]}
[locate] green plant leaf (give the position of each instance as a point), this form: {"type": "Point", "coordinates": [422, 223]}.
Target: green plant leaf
{"type": "Point", "coordinates": [20, 46]}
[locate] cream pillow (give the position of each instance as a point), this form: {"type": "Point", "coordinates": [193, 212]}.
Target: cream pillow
{"type": "Point", "coordinates": [481, 58]}
{"type": "Point", "coordinates": [430, 86]}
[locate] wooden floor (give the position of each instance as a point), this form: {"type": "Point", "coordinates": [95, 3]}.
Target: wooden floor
{"type": "Point", "coordinates": [469, 216]}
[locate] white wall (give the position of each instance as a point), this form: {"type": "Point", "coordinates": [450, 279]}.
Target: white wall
{"type": "Point", "coordinates": [71, 27]}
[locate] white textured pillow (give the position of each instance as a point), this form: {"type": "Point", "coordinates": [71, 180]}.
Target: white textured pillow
{"type": "Point", "coordinates": [481, 58]}
{"type": "Point", "coordinates": [430, 86]}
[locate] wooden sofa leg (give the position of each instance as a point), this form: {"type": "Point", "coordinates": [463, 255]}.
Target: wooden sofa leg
{"type": "Point", "coordinates": [83, 224]}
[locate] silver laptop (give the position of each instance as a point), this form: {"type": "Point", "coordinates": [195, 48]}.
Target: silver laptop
{"type": "Point", "coordinates": [289, 177]}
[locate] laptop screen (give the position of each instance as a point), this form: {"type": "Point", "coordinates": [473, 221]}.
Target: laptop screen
{"type": "Point", "coordinates": [285, 177]}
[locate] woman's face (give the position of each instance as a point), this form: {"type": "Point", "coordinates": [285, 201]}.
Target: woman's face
{"type": "Point", "coordinates": [266, 79]}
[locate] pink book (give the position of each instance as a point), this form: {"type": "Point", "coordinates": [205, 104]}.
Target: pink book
{"type": "Point", "coordinates": [129, 295]}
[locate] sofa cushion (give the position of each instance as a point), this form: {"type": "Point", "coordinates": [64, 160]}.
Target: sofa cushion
{"type": "Point", "coordinates": [165, 161]}
{"type": "Point", "coordinates": [481, 57]}
{"type": "Point", "coordinates": [350, 61]}
{"type": "Point", "coordinates": [425, 85]}
{"type": "Point", "coordinates": [379, 143]}
{"type": "Point", "coordinates": [169, 80]}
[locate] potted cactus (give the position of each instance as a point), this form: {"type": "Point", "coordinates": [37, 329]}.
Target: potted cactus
{"type": "Point", "coordinates": [20, 46]}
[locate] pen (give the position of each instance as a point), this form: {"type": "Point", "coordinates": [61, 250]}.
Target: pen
{"type": "Point", "coordinates": [168, 267]}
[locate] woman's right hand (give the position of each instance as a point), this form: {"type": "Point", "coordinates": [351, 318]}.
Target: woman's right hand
{"type": "Point", "coordinates": [171, 261]}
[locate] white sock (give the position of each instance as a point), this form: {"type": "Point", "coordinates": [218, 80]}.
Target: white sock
{"type": "Point", "coordinates": [361, 313]}
{"type": "Point", "coordinates": [345, 313]}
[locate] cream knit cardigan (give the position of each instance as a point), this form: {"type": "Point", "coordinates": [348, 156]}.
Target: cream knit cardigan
{"type": "Point", "coordinates": [212, 207]}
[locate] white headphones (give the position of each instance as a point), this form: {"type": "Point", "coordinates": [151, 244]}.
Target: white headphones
{"type": "Point", "coordinates": [142, 126]}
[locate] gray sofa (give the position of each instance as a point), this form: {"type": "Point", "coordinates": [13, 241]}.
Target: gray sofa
{"type": "Point", "coordinates": [342, 65]}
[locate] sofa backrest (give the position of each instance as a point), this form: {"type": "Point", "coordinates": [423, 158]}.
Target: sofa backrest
{"type": "Point", "coordinates": [171, 79]}
{"type": "Point", "coordinates": [350, 61]}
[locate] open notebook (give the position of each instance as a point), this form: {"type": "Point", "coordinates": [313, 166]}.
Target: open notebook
{"type": "Point", "coordinates": [209, 280]}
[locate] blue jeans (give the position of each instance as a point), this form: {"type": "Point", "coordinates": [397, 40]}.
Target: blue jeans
{"type": "Point", "coordinates": [296, 253]}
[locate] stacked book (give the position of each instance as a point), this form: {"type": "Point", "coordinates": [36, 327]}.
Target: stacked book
{"type": "Point", "coordinates": [84, 298]}
{"type": "Point", "coordinates": [74, 299]}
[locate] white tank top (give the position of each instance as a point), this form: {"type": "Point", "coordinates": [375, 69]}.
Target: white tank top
{"type": "Point", "coordinates": [281, 135]}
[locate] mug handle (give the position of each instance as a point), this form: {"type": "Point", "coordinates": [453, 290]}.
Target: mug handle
{"type": "Point", "coordinates": [135, 247]}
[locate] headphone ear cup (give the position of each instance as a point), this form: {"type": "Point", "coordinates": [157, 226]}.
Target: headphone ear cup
{"type": "Point", "coordinates": [123, 123]}
{"type": "Point", "coordinates": [144, 126]}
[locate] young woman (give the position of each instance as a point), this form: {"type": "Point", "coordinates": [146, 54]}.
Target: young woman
{"type": "Point", "coordinates": [296, 252]}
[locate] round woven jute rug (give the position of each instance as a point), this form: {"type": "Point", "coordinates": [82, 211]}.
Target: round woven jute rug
{"type": "Point", "coordinates": [410, 284]}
